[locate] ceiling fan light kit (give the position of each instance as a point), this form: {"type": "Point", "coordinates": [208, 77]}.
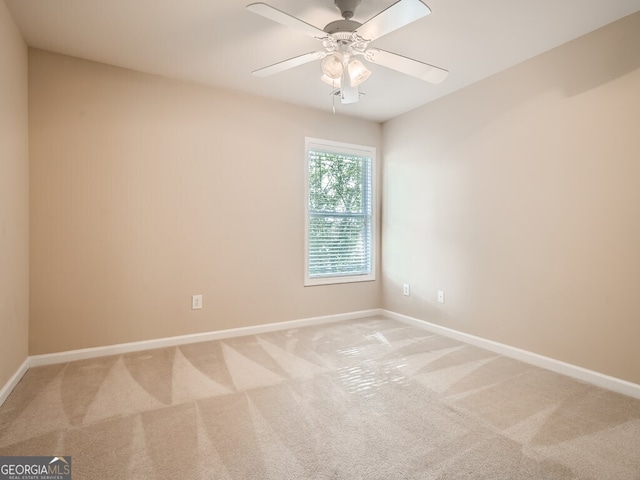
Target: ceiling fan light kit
{"type": "Point", "coordinates": [333, 68]}
{"type": "Point", "coordinates": [344, 40]}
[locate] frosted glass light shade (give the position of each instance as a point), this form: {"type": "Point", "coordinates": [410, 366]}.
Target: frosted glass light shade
{"type": "Point", "coordinates": [332, 82]}
{"type": "Point", "coordinates": [332, 66]}
{"type": "Point", "coordinates": [358, 73]}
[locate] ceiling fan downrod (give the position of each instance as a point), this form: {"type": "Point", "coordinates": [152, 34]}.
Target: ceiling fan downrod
{"type": "Point", "coordinates": [347, 7]}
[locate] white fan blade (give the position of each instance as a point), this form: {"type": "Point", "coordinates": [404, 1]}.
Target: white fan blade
{"type": "Point", "coordinates": [276, 15]}
{"type": "Point", "coordinates": [397, 15]}
{"type": "Point", "coordinates": [290, 63]}
{"type": "Point", "coordinates": [406, 65]}
{"type": "Point", "coordinates": [348, 93]}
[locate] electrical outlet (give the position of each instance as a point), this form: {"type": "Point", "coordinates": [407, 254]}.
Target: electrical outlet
{"type": "Point", "coordinates": [196, 302]}
{"type": "Point", "coordinates": [406, 290]}
{"type": "Point", "coordinates": [440, 296]}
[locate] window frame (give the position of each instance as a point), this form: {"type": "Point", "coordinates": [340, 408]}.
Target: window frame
{"type": "Point", "coordinates": [341, 148]}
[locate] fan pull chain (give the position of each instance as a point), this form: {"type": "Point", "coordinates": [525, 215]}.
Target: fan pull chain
{"type": "Point", "coordinates": [333, 97]}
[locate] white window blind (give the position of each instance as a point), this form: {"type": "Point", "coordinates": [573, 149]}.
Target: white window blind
{"type": "Point", "coordinates": [339, 213]}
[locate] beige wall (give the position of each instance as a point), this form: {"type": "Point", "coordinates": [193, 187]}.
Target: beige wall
{"type": "Point", "coordinates": [14, 198]}
{"type": "Point", "coordinates": [519, 197]}
{"type": "Point", "coordinates": [145, 191]}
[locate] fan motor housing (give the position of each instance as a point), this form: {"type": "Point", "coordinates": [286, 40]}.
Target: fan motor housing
{"type": "Point", "coordinates": [342, 26]}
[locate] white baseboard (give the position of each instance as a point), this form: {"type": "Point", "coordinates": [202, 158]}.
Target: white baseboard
{"type": "Point", "coordinates": [579, 373]}
{"type": "Point", "coordinates": [8, 387]}
{"type": "Point", "coordinates": [82, 354]}
{"type": "Point", "coordinates": [595, 378]}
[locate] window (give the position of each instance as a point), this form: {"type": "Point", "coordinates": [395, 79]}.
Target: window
{"type": "Point", "coordinates": [340, 221]}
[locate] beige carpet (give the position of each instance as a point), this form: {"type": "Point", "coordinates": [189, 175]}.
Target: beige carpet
{"type": "Point", "coordinates": [367, 399]}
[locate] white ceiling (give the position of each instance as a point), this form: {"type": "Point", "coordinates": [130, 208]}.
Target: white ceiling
{"type": "Point", "coordinates": [219, 43]}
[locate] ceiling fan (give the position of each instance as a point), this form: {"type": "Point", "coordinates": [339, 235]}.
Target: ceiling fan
{"type": "Point", "coordinates": [345, 40]}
